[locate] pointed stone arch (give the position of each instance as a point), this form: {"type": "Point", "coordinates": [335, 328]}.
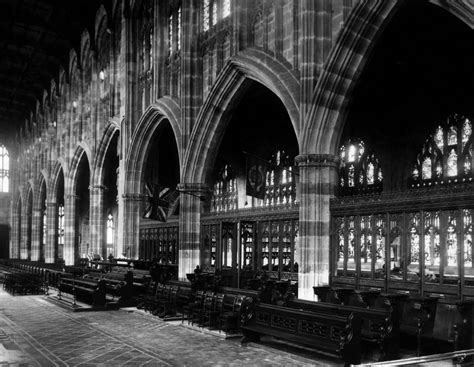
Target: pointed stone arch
{"type": "Point", "coordinates": [15, 238]}
{"type": "Point", "coordinates": [237, 76]}
{"type": "Point", "coordinates": [52, 251]}
{"type": "Point", "coordinates": [165, 109]}
{"type": "Point", "coordinates": [324, 125]}
{"type": "Point", "coordinates": [110, 131]}
{"type": "Point", "coordinates": [59, 166]}
{"type": "Point", "coordinates": [102, 188]}
{"type": "Point", "coordinates": [26, 220]}
{"type": "Point", "coordinates": [101, 21]}
{"type": "Point", "coordinates": [250, 65]}
{"type": "Point", "coordinates": [73, 241]}
{"type": "Point", "coordinates": [82, 149]}
{"type": "Point", "coordinates": [332, 94]}
{"type": "Point", "coordinates": [39, 204]}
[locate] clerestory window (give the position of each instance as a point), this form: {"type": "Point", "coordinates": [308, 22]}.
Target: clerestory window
{"type": "Point", "coordinates": [446, 156]}
{"type": "Point", "coordinates": [359, 169]}
{"type": "Point", "coordinates": [4, 169]}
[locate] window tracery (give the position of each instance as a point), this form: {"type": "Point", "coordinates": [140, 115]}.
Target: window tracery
{"type": "Point", "coordinates": [213, 11]}
{"type": "Point", "coordinates": [359, 169]}
{"type": "Point", "coordinates": [280, 181]}
{"type": "Point", "coordinates": [224, 196]}
{"type": "Point", "coordinates": [61, 225]}
{"type": "Point", "coordinates": [446, 155]}
{"type": "Point", "coordinates": [4, 169]}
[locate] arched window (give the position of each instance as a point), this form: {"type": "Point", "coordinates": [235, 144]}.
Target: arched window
{"type": "Point", "coordinates": [178, 32]}
{"type": "Point", "coordinates": [171, 33]}
{"type": "Point", "coordinates": [446, 156]}
{"type": "Point", "coordinates": [206, 15]}
{"type": "Point", "coordinates": [150, 47]}
{"type": "Point", "coordinates": [61, 225]}
{"type": "Point", "coordinates": [4, 169]}
{"type": "Point", "coordinates": [174, 30]}
{"type": "Point", "coordinates": [226, 9]}
{"type": "Point", "coordinates": [45, 228]}
{"type": "Point", "coordinates": [213, 11]}
{"type": "Point", "coordinates": [359, 169]}
{"type": "Point", "coordinates": [224, 196]}
{"type": "Point", "coordinates": [280, 182]}
{"type": "Point", "coordinates": [110, 234]}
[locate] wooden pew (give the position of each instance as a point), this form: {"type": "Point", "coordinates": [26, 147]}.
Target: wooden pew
{"type": "Point", "coordinates": [88, 291]}
{"type": "Point", "coordinates": [336, 335]}
{"type": "Point", "coordinates": [418, 317]}
{"type": "Point", "coordinates": [377, 326]}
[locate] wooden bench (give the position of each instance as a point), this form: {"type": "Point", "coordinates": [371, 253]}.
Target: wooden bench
{"type": "Point", "coordinates": [113, 284]}
{"type": "Point", "coordinates": [338, 336]}
{"type": "Point", "coordinates": [377, 326]}
{"type": "Point", "coordinates": [451, 330]}
{"type": "Point", "coordinates": [418, 317]}
{"type": "Point", "coordinates": [88, 291]}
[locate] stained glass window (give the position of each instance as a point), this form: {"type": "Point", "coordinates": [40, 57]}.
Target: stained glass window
{"type": "Point", "coordinates": [467, 229]}
{"type": "Point", "coordinates": [4, 169]}
{"type": "Point", "coordinates": [61, 224]}
{"type": "Point", "coordinates": [150, 47]}
{"type": "Point", "coordinates": [224, 196]}
{"type": "Point", "coordinates": [110, 229]}
{"type": "Point", "coordinates": [170, 34]}
{"type": "Point", "coordinates": [452, 163]}
{"type": "Point", "coordinates": [359, 169]}
{"type": "Point", "coordinates": [439, 137]}
{"type": "Point", "coordinates": [446, 155]}
{"type": "Point", "coordinates": [466, 131]}
{"type": "Point", "coordinates": [206, 15]}
{"type": "Point", "coordinates": [214, 13]}
{"type": "Point", "coordinates": [45, 228]}
{"type": "Point", "coordinates": [178, 41]}
{"type": "Point", "coordinates": [426, 169]}
{"type": "Point", "coordinates": [226, 8]}
{"type": "Point", "coordinates": [280, 187]}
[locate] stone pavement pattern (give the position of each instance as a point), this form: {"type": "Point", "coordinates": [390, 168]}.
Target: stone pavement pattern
{"type": "Point", "coordinates": [35, 332]}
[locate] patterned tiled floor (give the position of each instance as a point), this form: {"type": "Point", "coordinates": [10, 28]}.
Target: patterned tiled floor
{"type": "Point", "coordinates": [35, 332]}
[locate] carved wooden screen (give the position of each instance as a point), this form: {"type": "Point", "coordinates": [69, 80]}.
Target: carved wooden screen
{"type": "Point", "coordinates": [159, 243]}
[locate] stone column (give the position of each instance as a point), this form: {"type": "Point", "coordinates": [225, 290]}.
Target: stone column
{"type": "Point", "coordinates": [70, 229]}
{"type": "Point", "coordinates": [52, 232]}
{"type": "Point", "coordinates": [318, 179]}
{"type": "Point", "coordinates": [190, 226]}
{"type": "Point", "coordinates": [133, 210]}
{"type": "Point", "coordinates": [97, 220]}
{"type": "Point", "coordinates": [15, 235]}
{"type": "Point", "coordinates": [36, 234]}
{"type": "Point", "coordinates": [25, 221]}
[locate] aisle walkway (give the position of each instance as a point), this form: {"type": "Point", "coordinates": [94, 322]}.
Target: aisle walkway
{"type": "Point", "coordinates": [35, 332]}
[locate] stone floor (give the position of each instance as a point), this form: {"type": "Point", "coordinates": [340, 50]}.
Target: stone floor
{"type": "Point", "coordinates": [36, 332]}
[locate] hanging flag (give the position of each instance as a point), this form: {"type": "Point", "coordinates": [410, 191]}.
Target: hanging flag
{"type": "Point", "coordinates": [256, 173]}
{"type": "Point", "coordinates": [161, 202]}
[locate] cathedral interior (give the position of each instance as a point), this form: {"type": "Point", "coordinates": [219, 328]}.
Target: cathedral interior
{"type": "Point", "coordinates": [295, 177]}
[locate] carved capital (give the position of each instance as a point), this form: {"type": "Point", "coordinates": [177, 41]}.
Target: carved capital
{"type": "Point", "coordinates": [317, 160]}
{"type": "Point", "coordinates": [98, 188]}
{"type": "Point", "coordinates": [195, 188]}
{"type": "Point", "coordinates": [135, 197]}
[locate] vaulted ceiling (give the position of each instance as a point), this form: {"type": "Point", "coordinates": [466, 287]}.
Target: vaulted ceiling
{"type": "Point", "coordinates": [35, 39]}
